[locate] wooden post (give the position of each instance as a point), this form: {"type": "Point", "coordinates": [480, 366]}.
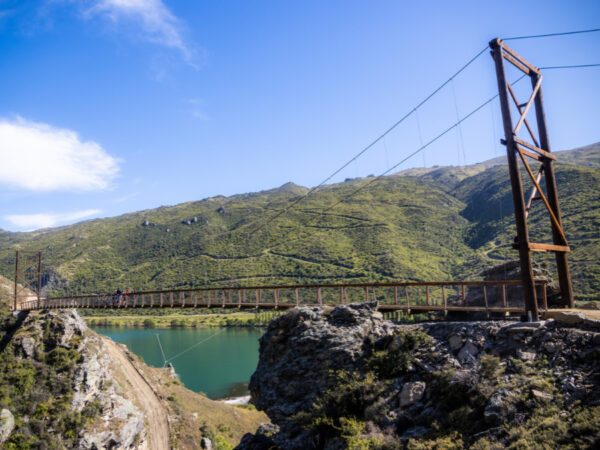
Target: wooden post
{"type": "Point", "coordinates": [485, 299]}
{"type": "Point", "coordinates": [395, 295]}
{"type": "Point", "coordinates": [319, 298]}
{"type": "Point", "coordinates": [544, 296]}
{"type": "Point", "coordinates": [341, 295]}
{"type": "Point", "coordinates": [445, 302]}
{"type": "Point", "coordinates": [462, 294]}
{"type": "Point", "coordinates": [276, 298]}
{"type": "Point", "coordinates": [297, 298]}
{"type": "Point", "coordinates": [427, 295]}
{"type": "Point", "coordinates": [407, 299]}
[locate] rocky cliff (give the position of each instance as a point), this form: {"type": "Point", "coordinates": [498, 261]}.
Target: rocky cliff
{"type": "Point", "coordinates": [64, 386]}
{"type": "Point", "coordinates": [345, 378]}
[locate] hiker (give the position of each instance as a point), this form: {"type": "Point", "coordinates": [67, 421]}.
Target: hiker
{"type": "Point", "coordinates": [117, 296]}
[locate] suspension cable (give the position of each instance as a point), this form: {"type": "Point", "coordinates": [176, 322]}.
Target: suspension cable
{"type": "Point", "coordinates": [536, 36]}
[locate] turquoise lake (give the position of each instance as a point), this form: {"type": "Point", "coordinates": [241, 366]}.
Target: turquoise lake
{"type": "Point", "coordinates": [216, 361]}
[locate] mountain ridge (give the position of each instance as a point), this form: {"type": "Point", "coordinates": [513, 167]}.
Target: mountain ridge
{"type": "Point", "coordinates": [445, 226]}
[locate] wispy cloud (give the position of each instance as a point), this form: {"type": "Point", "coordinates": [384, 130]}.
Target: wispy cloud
{"type": "Point", "coordinates": [154, 21]}
{"type": "Point", "coordinates": [38, 157]}
{"type": "Point", "coordinates": [197, 108]}
{"type": "Point", "coordinates": [45, 220]}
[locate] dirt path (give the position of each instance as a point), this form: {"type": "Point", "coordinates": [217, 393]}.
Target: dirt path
{"type": "Point", "coordinates": [145, 398]}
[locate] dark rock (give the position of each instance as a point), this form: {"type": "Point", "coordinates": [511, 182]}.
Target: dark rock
{"type": "Point", "coordinates": [485, 373]}
{"type": "Point", "coordinates": [221, 210]}
{"type": "Point", "coordinates": [411, 393]}
{"type": "Point", "coordinates": [299, 350]}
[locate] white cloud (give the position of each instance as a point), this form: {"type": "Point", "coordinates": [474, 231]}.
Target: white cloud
{"type": "Point", "coordinates": [157, 23]}
{"type": "Point", "coordinates": [39, 157]}
{"type": "Point", "coordinates": [43, 220]}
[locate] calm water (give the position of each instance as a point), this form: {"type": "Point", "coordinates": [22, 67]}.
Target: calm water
{"type": "Point", "coordinates": [216, 361]}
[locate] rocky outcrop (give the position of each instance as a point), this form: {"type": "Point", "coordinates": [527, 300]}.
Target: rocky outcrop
{"type": "Point", "coordinates": [299, 350]}
{"type": "Point", "coordinates": [61, 340]}
{"type": "Point", "coordinates": [120, 422]}
{"type": "Point", "coordinates": [334, 378]}
{"type": "Point", "coordinates": [7, 424]}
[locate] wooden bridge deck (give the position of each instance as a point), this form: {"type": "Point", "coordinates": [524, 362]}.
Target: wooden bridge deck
{"type": "Point", "coordinates": [403, 296]}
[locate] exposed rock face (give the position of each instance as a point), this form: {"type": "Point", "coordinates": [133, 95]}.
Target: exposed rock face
{"type": "Point", "coordinates": [117, 422]}
{"type": "Point", "coordinates": [300, 348]}
{"type": "Point", "coordinates": [333, 378]}
{"type": "Point", "coordinates": [93, 383]}
{"type": "Point", "coordinates": [7, 424]}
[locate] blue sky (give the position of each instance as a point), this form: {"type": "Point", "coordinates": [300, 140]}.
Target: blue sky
{"type": "Point", "coordinates": [113, 106]}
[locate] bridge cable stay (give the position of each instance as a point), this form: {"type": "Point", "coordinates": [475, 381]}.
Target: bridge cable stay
{"type": "Point", "coordinates": [495, 141]}
{"type": "Point", "coordinates": [459, 133]}
{"type": "Point", "coordinates": [169, 360]}
{"type": "Point", "coordinates": [287, 208]}
{"type": "Point", "coordinates": [575, 66]}
{"type": "Point", "coordinates": [402, 119]}
{"type": "Point", "coordinates": [161, 350]}
{"type": "Point", "coordinates": [370, 145]}
{"type": "Point", "coordinates": [390, 129]}
{"type": "Point", "coordinates": [409, 156]}
{"type": "Point", "coordinates": [564, 33]}
{"type": "Point", "coordinates": [423, 147]}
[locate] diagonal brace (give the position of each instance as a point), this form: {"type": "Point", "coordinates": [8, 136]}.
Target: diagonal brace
{"type": "Point", "coordinates": [529, 103]}
{"type": "Point", "coordinates": [544, 199]}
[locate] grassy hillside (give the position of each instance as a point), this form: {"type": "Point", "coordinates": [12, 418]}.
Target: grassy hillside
{"type": "Point", "coordinates": [433, 224]}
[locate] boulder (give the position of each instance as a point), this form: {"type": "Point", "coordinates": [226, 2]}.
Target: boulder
{"type": "Point", "coordinates": [568, 317]}
{"type": "Point", "coordinates": [455, 341]}
{"type": "Point", "coordinates": [28, 346]}
{"type": "Point", "coordinates": [468, 352]}
{"type": "Point", "coordinates": [206, 443]}
{"type": "Point", "coordinates": [7, 424]}
{"type": "Point", "coordinates": [411, 393]}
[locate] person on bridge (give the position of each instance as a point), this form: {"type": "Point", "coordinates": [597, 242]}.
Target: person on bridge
{"type": "Point", "coordinates": [117, 296]}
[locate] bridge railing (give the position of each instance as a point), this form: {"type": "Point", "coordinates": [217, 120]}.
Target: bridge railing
{"type": "Point", "coordinates": [502, 296]}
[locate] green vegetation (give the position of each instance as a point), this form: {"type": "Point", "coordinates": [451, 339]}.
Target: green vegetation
{"type": "Point", "coordinates": [176, 318]}
{"type": "Point", "coordinates": [38, 390]}
{"type": "Point", "coordinates": [433, 224]}
{"type": "Point", "coordinates": [358, 407]}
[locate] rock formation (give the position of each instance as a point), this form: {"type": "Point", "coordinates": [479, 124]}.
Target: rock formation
{"type": "Point", "coordinates": [344, 377]}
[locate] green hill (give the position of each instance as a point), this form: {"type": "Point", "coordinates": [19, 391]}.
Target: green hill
{"type": "Point", "coordinates": [425, 224]}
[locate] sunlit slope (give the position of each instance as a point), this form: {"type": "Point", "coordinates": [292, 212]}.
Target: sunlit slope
{"type": "Point", "coordinates": [437, 224]}
{"type": "Point", "coordinates": [400, 228]}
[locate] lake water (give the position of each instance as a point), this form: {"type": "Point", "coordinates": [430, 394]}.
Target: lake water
{"type": "Point", "coordinates": [216, 361]}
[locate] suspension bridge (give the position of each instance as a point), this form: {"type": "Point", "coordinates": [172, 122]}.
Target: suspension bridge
{"type": "Point", "coordinates": [525, 296]}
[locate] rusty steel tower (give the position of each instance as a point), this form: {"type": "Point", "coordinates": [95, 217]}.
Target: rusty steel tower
{"type": "Point", "coordinates": [538, 149]}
